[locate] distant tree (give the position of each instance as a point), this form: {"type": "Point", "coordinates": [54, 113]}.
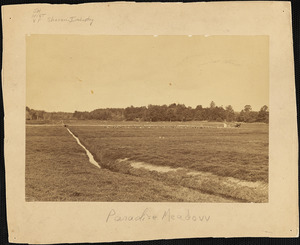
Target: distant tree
{"type": "Point", "coordinates": [82, 115]}
{"type": "Point", "coordinates": [252, 116]}
{"type": "Point", "coordinates": [263, 114]}
{"type": "Point", "coordinates": [218, 114]}
{"type": "Point", "coordinates": [188, 114]}
{"type": "Point", "coordinates": [163, 112]}
{"type": "Point", "coordinates": [40, 115]}
{"type": "Point", "coordinates": [247, 108]}
{"type": "Point", "coordinates": [171, 113]}
{"type": "Point", "coordinates": [180, 112]}
{"type": "Point", "coordinates": [157, 113]}
{"type": "Point", "coordinates": [212, 104]}
{"type": "Point", "coordinates": [48, 116]}
{"type": "Point", "coordinates": [230, 115]}
{"type": "Point", "coordinates": [199, 113]}
{"type": "Point", "coordinates": [174, 105]}
{"type": "Point", "coordinates": [130, 113]}
{"type": "Point", "coordinates": [28, 115]}
{"type": "Point", "coordinates": [247, 115]}
{"type": "Point", "coordinates": [34, 116]}
{"type": "Point", "coordinates": [241, 116]}
{"type": "Point", "coordinates": [199, 107]}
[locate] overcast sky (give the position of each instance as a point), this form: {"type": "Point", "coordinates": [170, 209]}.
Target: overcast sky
{"type": "Point", "coordinates": [76, 72]}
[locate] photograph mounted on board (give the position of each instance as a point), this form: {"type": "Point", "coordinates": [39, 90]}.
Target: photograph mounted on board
{"type": "Point", "coordinates": [147, 118]}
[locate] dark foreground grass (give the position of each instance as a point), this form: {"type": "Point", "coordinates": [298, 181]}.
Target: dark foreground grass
{"type": "Point", "coordinates": [241, 153]}
{"type": "Point", "coordinates": [57, 169]}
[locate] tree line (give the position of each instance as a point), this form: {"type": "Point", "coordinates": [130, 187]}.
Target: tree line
{"type": "Point", "coordinates": [154, 113]}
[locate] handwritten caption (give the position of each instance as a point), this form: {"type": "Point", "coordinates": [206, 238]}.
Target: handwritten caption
{"type": "Point", "coordinates": [167, 215]}
{"type": "Point", "coordinates": [39, 16]}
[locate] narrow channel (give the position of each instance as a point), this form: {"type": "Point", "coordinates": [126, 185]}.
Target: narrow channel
{"type": "Point", "coordinates": [91, 158]}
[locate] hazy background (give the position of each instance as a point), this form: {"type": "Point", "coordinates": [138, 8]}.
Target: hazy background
{"type": "Point", "coordinates": [77, 72]}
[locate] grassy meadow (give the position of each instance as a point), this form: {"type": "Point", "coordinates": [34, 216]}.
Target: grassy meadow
{"type": "Point", "coordinates": [212, 163]}
{"type": "Point", "coordinates": [241, 153]}
{"type": "Point", "coordinates": [57, 169]}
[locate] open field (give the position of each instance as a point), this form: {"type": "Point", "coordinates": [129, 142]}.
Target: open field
{"type": "Point", "coordinates": [57, 169]}
{"type": "Point", "coordinates": [241, 153]}
{"type": "Point", "coordinates": [195, 161]}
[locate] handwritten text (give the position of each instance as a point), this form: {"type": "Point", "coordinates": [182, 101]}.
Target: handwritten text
{"type": "Point", "coordinates": [39, 16]}
{"type": "Point", "coordinates": [147, 215]}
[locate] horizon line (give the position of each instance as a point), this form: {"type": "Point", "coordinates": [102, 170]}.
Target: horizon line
{"type": "Point", "coordinates": [123, 108]}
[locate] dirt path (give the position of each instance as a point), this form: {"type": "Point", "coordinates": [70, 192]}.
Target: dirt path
{"type": "Point", "coordinates": [204, 182]}
{"type": "Point", "coordinates": [91, 158]}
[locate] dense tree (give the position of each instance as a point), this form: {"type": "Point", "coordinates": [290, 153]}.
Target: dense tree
{"type": "Point", "coordinates": [32, 114]}
{"type": "Point", "coordinates": [216, 114]}
{"type": "Point", "coordinates": [247, 115]}
{"type": "Point", "coordinates": [244, 114]}
{"type": "Point", "coordinates": [199, 113]}
{"type": "Point", "coordinates": [230, 115]}
{"type": "Point", "coordinates": [263, 114]}
{"type": "Point", "coordinates": [82, 115]}
{"type": "Point", "coordinates": [247, 108]}
{"type": "Point", "coordinates": [212, 104]}
{"type": "Point", "coordinates": [157, 113]}
{"type": "Point", "coordinates": [173, 112]}
{"type": "Point", "coordinates": [114, 114]}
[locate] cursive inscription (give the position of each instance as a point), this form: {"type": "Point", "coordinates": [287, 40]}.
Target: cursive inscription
{"type": "Point", "coordinates": [147, 215]}
{"type": "Point", "coordinates": [39, 16]}
{"type": "Point", "coordinates": [71, 19]}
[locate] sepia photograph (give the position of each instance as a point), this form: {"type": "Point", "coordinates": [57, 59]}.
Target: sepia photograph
{"type": "Point", "coordinates": [147, 118]}
{"type": "Point", "coordinates": [148, 121]}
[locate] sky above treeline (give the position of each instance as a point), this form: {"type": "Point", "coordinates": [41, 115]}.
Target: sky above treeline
{"type": "Point", "coordinates": [83, 73]}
